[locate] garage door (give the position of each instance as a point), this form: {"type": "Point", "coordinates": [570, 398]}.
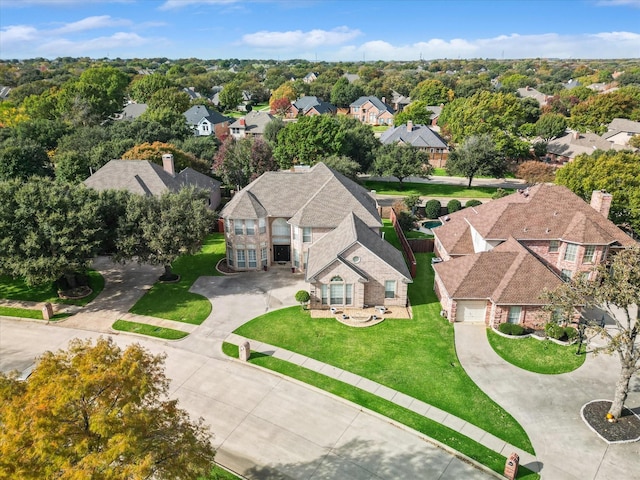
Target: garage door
{"type": "Point", "coordinates": [471, 311]}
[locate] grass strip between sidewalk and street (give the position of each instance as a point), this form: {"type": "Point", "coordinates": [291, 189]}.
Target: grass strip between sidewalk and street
{"type": "Point", "coordinates": [29, 313]}
{"type": "Point", "coordinates": [426, 426]}
{"type": "Point", "coordinates": [149, 330]}
{"type": "Point", "coordinates": [429, 189]}
{"type": "Point", "coordinates": [17, 289]}
{"type": "Point", "coordinates": [538, 356]}
{"type": "Point", "coordinates": [173, 301]}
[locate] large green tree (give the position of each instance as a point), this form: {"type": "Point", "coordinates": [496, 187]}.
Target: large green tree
{"type": "Point", "coordinates": [231, 96]}
{"type": "Point", "coordinates": [616, 172]}
{"type": "Point", "coordinates": [432, 92]}
{"type": "Point", "coordinates": [22, 159]}
{"type": "Point", "coordinates": [401, 161]}
{"type": "Point", "coordinates": [597, 111]}
{"type": "Point", "coordinates": [551, 125]}
{"type": "Point", "coordinates": [48, 230]}
{"type": "Point", "coordinates": [97, 411]}
{"type": "Point", "coordinates": [142, 89]}
{"type": "Point", "coordinates": [238, 162]}
{"type": "Point", "coordinates": [476, 156]}
{"type": "Point", "coordinates": [157, 230]}
{"type": "Point", "coordinates": [616, 291]}
{"type": "Point", "coordinates": [416, 112]}
{"type": "Point", "coordinates": [484, 112]}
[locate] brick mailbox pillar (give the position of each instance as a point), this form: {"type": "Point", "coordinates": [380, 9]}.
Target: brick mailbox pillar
{"type": "Point", "coordinates": [47, 311]}
{"type": "Point", "coordinates": [244, 351]}
{"type": "Point", "coordinates": [511, 467]}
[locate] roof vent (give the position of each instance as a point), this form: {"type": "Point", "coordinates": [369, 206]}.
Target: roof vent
{"type": "Point", "coordinates": [547, 230]}
{"type": "Point", "coordinates": [555, 214]}
{"type": "Point", "coordinates": [524, 229]}
{"type": "Point", "coordinates": [446, 218]}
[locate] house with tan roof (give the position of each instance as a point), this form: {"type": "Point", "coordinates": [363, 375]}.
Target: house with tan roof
{"type": "Point", "coordinates": [499, 257]}
{"type": "Point", "coordinates": [143, 177]}
{"type": "Point", "coordinates": [620, 131]}
{"type": "Point", "coordinates": [563, 149]}
{"type": "Point", "coordinates": [251, 125]}
{"type": "Point", "coordinates": [421, 137]}
{"type": "Point", "coordinates": [320, 223]}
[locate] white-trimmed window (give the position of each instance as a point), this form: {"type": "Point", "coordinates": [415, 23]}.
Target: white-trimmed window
{"type": "Point", "coordinates": [264, 256]}
{"type": "Point", "coordinates": [554, 245]}
{"type": "Point", "coordinates": [514, 314]}
{"type": "Point", "coordinates": [337, 293]}
{"type": "Point", "coordinates": [570, 252]}
{"type": "Point", "coordinates": [390, 289]}
{"type": "Point", "coordinates": [238, 227]}
{"type": "Point", "coordinates": [262, 225]}
{"type": "Point", "coordinates": [305, 260]}
{"type": "Point", "coordinates": [227, 225]}
{"type": "Point", "coordinates": [230, 259]}
{"type": "Point", "coordinates": [324, 292]}
{"type": "Point", "coordinates": [566, 274]}
{"type": "Point", "coordinates": [250, 227]}
{"type": "Point", "coordinates": [295, 232]}
{"type": "Point", "coordinates": [589, 254]}
{"type": "Point", "coordinates": [348, 294]}
{"type": "Point", "coordinates": [296, 258]}
{"type": "Point", "coordinates": [306, 234]}
{"type": "Point", "coordinates": [240, 256]}
{"type": "Point", "coordinates": [251, 255]}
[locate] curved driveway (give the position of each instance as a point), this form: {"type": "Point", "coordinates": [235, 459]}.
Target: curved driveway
{"type": "Point", "coordinates": [548, 407]}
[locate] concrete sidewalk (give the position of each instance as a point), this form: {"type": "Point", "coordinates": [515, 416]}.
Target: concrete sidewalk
{"type": "Point", "coordinates": [421, 408]}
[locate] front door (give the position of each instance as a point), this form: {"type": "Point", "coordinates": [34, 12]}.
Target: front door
{"type": "Point", "coordinates": [282, 253]}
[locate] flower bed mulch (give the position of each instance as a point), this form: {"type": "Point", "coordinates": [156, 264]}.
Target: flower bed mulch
{"type": "Point", "coordinates": [75, 293]}
{"type": "Point", "coordinates": [222, 267]}
{"type": "Point", "coordinates": [626, 429]}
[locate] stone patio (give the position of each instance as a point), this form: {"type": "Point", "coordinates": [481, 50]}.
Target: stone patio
{"type": "Point", "coordinates": [363, 317]}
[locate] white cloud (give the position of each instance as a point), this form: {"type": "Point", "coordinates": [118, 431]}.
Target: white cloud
{"type": "Point", "coordinates": [97, 47]}
{"type": "Point", "coordinates": [297, 39]}
{"type": "Point", "coordinates": [91, 23]}
{"type": "Point", "coordinates": [171, 4]}
{"type": "Point", "coordinates": [550, 45]}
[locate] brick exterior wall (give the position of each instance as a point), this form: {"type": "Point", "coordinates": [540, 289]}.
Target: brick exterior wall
{"type": "Point", "coordinates": [368, 293]}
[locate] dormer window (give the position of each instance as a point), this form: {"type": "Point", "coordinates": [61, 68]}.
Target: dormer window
{"type": "Point", "coordinates": [553, 246]}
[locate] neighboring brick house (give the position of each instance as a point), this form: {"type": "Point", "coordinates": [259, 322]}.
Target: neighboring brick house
{"type": "Point", "coordinates": [422, 137]}
{"type": "Point", "coordinates": [498, 257]}
{"type": "Point", "coordinates": [372, 111]}
{"type": "Point", "coordinates": [205, 121]}
{"type": "Point", "coordinates": [399, 101]}
{"type": "Point", "coordinates": [620, 131]}
{"type": "Point", "coordinates": [280, 216]}
{"type": "Point", "coordinates": [251, 125]}
{"type": "Point", "coordinates": [310, 77]}
{"type": "Point", "coordinates": [530, 92]}
{"type": "Point", "coordinates": [310, 106]}
{"type": "Point", "coordinates": [144, 177]}
{"type": "Point", "coordinates": [563, 149]}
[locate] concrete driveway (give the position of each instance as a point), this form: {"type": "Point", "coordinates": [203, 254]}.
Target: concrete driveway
{"type": "Point", "coordinates": [266, 427]}
{"type": "Point", "coordinates": [548, 408]}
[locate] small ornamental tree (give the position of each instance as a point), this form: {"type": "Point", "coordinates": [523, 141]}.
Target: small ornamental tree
{"type": "Point", "coordinates": [534, 171]}
{"type": "Point", "coordinates": [432, 208]}
{"type": "Point", "coordinates": [472, 203]}
{"type": "Point", "coordinates": [616, 291]}
{"type": "Point", "coordinates": [302, 297]}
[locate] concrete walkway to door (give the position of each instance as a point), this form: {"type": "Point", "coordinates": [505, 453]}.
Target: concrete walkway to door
{"type": "Point", "coordinates": [548, 408]}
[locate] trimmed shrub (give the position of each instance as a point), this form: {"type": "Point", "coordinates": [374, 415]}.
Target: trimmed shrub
{"type": "Point", "coordinates": [571, 333]}
{"type": "Point", "coordinates": [472, 203]}
{"type": "Point", "coordinates": [432, 209]}
{"type": "Point", "coordinates": [453, 205]}
{"type": "Point", "coordinates": [302, 297]}
{"type": "Point", "coordinates": [554, 330]}
{"type": "Point", "coordinates": [510, 329]}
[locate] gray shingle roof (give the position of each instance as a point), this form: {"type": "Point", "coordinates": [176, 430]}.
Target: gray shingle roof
{"type": "Point", "coordinates": [198, 112]}
{"type": "Point", "coordinates": [624, 125]}
{"type": "Point", "coordinates": [353, 230]}
{"type": "Point", "coordinates": [419, 136]}
{"type": "Point", "coordinates": [254, 122]}
{"type": "Point", "coordinates": [308, 102]}
{"type": "Point", "coordinates": [146, 178]}
{"type": "Point", "coordinates": [318, 197]}
{"type": "Point", "coordinates": [375, 101]}
{"type": "Point", "coordinates": [573, 144]}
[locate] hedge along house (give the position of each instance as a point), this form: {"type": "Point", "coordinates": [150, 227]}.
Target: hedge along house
{"type": "Point", "coordinates": [499, 257]}
{"type": "Point", "coordinates": [280, 216]}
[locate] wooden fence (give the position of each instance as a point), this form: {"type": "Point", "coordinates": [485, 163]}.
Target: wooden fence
{"type": "Point", "coordinates": [406, 248]}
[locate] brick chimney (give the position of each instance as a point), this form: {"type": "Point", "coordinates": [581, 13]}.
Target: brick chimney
{"type": "Point", "coordinates": [167, 164]}
{"type": "Point", "coordinates": [601, 201]}
{"type": "Point", "coordinates": [409, 126]}
{"type": "Point", "coordinates": [242, 122]}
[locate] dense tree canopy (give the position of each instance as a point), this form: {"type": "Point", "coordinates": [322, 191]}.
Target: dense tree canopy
{"type": "Point", "coordinates": [48, 230]}
{"type": "Point", "coordinates": [551, 125]}
{"type": "Point", "coordinates": [431, 92]}
{"type": "Point", "coordinates": [142, 89]}
{"type": "Point", "coordinates": [416, 112]}
{"type": "Point", "coordinates": [154, 151]}
{"type": "Point", "coordinates": [238, 162]}
{"type": "Point", "coordinates": [22, 159]}
{"type": "Point", "coordinates": [596, 112]}
{"type": "Point", "coordinates": [96, 411]}
{"type": "Point", "coordinates": [616, 172]}
{"type": "Point", "coordinates": [401, 161]}
{"type": "Point", "coordinates": [476, 156]}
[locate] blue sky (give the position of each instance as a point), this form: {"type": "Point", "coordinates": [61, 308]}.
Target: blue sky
{"type": "Point", "coordinates": [320, 30]}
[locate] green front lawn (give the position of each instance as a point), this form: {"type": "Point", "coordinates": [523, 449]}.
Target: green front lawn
{"type": "Point", "coordinates": [428, 189]}
{"type": "Point", "coordinates": [28, 313]}
{"type": "Point", "coordinates": [416, 357]}
{"type": "Point", "coordinates": [150, 330]}
{"type": "Point", "coordinates": [535, 355]}
{"type": "Point", "coordinates": [426, 426]}
{"type": "Point", "coordinates": [173, 301]}
{"type": "Point", "coordinates": [17, 289]}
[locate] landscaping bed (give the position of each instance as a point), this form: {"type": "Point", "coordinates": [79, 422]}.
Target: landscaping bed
{"type": "Point", "coordinates": [625, 429]}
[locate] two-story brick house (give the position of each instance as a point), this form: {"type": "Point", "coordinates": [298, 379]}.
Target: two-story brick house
{"type": "Point", "coordinates": [499, 257]}
{"type": "Point", "coordinates": [372, 111]}
{"type": "Point", "coordinates": [320, 223]}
